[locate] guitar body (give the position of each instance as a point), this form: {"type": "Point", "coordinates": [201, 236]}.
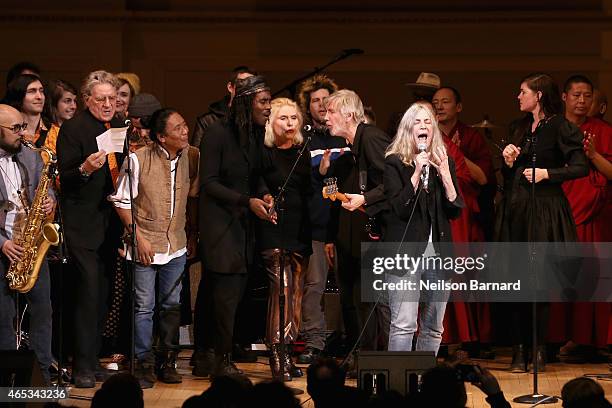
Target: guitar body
{"type": "Point", "coordinates": [330, 192]}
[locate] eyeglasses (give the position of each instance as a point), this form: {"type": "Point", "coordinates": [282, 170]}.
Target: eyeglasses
{"type": "Point", "coordinates": [100, 100]}
{"type": "Point", "coordinates": [16, 128]}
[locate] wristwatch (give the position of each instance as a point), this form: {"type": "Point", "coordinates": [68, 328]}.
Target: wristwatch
{"type": "Point", "coordinates": [83, 172]}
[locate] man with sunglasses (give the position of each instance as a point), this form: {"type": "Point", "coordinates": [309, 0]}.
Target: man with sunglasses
{"type": "Point", "coordinates": [91, 226]}
{"type": "Point", "coordinates": [17, 165]}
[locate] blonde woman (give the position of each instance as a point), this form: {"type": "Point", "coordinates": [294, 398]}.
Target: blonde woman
{"type": "Point", "coordinates": [291, 233]}
{"type": "Point", "coordinates": [420, 186]}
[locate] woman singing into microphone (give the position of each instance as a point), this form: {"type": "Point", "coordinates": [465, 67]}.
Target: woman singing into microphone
{"type": "Point", "coordinates": [291, 233]}
{"type": "Point", "coordinates": [421, 187]}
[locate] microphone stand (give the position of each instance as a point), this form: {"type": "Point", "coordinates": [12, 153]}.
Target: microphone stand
{"type": "Point", "coordinates": [279, 208]}
{"type": "Point", "coordinates": [63, 260]}
{"type": "Point", "coordinates": [291, 87]}
{"type": "Point", "coordinates": [131, 266]}
{"type": "Point", "coordinates": [535, 397]}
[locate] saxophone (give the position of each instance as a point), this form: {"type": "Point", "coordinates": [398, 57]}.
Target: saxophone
{"type": "Point", "coordinates": [37, 234]}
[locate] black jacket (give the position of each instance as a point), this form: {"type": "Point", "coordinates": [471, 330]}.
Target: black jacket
{"type": "Point", "coordinates": [432, 212]}
{"type": "Point", "coordinates": [87, 213]}
{"type": "Point", "coordinates": [216, 111]}
{"type": "Point", "coordinates": [347, 229]}
{"type": "Point", "coordinates": [229, 172]}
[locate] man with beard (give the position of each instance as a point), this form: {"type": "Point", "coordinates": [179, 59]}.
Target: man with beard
{"type": "Point", "coordinates": [91, 226]}
{"type": "Point", "coordinates": [311, 98]}
{"type": "Point", "coordinates": [219, 109]}
{"type": "Point", "coordinates": [230, 160]}
{"type": "Point", "coordinates": [17, 165]}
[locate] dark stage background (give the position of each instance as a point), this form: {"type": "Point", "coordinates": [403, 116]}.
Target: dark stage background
{"type": "Point", "coordinates": [182, 49]}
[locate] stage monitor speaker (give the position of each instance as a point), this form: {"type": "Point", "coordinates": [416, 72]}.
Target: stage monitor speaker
{"type": "Point", "coordinates": [400, 371]}
{"type": "Point", "coordinates": [19, 368]}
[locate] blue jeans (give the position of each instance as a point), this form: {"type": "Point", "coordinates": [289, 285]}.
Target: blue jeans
{"type": "Point", "coordinates": [406, 314]}
{"type": "Point", "coordinates": [39, 310]}
{"type": "Point", "coordinates": [168, 305]}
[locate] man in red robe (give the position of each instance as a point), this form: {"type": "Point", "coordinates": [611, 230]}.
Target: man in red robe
{"type": "Point", "coordinates": [472, 323]}
{"type": "Point", "coordinates": [586, 324]}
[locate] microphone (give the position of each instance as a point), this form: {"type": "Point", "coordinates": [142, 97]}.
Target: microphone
{"type": "Point", "coordinates": [422, 146]}
{"type": "Point", "coordinates": [307, 128]}
{"type": "Point", "coordinates": [127, 123]}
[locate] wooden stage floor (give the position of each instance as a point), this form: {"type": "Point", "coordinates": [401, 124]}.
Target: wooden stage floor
{"type": "Point", "coordinates": [550, 382]}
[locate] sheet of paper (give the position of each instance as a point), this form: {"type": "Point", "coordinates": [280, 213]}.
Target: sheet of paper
{"type": "Point", "coordinates": [112, 140]}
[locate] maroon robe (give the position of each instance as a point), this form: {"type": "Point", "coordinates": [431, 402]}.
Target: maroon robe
{"type": "Point", "coordinates": [589, 197]}
{"type": "Point", "coordinates": [467, 228]}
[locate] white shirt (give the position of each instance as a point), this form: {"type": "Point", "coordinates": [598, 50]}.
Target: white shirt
{"type": "Point", "coordinates": [13, 210]}
{"type": "Point", "coordinates": [121, 199]}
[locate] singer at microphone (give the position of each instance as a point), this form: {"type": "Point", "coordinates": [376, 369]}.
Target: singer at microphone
{"type": "Point", "coordinates": [417, 156]}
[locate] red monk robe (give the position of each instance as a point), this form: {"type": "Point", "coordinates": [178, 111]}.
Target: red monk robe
{"type": "Point", "coordinates": [468, 229]}
{"type": "Point", "coordinates": [589, 197]}
{"type": "Point", "coordinates": [458, 324]}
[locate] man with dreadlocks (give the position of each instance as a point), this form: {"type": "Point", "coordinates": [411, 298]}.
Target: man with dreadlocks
{"type": "Point", "coordinates": [230, 160]}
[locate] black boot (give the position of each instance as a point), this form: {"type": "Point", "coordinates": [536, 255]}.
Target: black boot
{"type": "Point", "coordinates": [204, 363]}
{"type": "Point", "coordinates": [145, 372]}
{"type": "Point", "coordinates": [541, 358]}
{"type": "Point", "coordinates": [167, 371]}
{"type": "Point", "coordinates": [518, 364]}
{"type": "Point", "coordinates": [275, 365]}
{"type": "Point", "coordinates": [225, 367]}
{"type": "Point", "coordinates": [291, 368]}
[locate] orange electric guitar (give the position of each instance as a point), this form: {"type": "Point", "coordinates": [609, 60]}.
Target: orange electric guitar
{"type": "Point", "coordinates": [330, 192]}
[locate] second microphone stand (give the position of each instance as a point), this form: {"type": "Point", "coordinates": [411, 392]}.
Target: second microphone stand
{"type": "Point", "coordinates": [279, 209]}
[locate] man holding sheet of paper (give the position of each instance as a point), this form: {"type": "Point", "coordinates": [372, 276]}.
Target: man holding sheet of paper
{"type": "Point", "coordinates": [92, 229]}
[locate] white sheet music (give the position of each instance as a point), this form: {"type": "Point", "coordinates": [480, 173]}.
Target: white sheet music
{"type": "Point", "coordinates": [112, 140]}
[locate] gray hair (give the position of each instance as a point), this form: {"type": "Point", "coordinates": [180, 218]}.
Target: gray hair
{"type": "Point", "coordinates": [348, 103]}
{"type": "Point", "coordinates": [97, 78]}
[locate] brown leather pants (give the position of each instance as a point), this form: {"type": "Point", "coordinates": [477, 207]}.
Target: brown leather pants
{"type": "Point", "coordinates": [295, 265]}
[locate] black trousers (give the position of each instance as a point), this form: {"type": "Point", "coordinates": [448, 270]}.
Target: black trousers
{"type": "Point", "coordinates": [93, 271]}
{"type": "Point", "coordinates": [218, 297]}
{"type": "Point", "coordinates": [355, 312]}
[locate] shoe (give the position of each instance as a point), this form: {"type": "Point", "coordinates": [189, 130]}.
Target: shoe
{"type": "Point", "coordinates": [167, 371]}
{"type": "Point", "coordinates": [309, 355]}
{"type": "Point", "coordinates": [242, 355]}
{"type": "Point", "coordinates": [275, 365]}
{"type": "Point", "coordinates": [541, 358]}
{"type": "Point", "coordinates": [84, 381]}
{"type": "Point", "coordinates": [225, 367]}
{"type": "Point", "coordinates": [145, 373]}
{"type": "Point", "coordinates": [291, 368]}
{"type": "Point", "coordinates": [518, 364]}
{"type": "Point", "coordinates": [204, 363]}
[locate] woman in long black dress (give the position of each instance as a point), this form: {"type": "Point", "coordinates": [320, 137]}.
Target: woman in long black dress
{"type": "Point", "coordinates": [559, 157]}
{"type": "Point", "coordinates": [292, 231]}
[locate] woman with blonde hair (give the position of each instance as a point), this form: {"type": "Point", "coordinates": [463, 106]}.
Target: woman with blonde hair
{"type": "Point", "coordinates": [291, 233]}
{"type": "Point", "coordinates": [421, 188]}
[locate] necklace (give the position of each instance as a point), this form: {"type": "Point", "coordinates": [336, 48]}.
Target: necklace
{"type": "Point", "coordinates": [19, 191]}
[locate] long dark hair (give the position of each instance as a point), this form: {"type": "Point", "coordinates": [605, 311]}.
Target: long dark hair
{"type": "Point", "coordinates": [54, 93]}
{"type": "Point", "coordinates": [17, 88]}
{"type": "Point", "coordinates": [241, 118]}
{"type": "Point", "coordinates": [550, 103]}
{"type": "Point", "coordinates": [158, 122]}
